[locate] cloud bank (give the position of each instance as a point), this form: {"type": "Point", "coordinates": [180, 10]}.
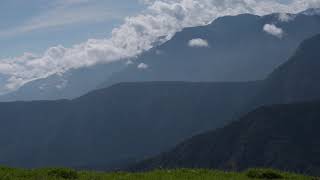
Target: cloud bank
{"type": "Point", "coordinates": [157, 24]}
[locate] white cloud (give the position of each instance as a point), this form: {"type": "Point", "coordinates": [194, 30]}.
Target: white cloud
{"type": "Point", "coordinates": [198, 43]}
{"type": "Point", "coordinates": [129, 62]}
{"type": "Point", "coordinates": [273, 30]}
{"type": "Point", "coordinates": [158, 23]}
{"type": "Point", "coordinates": [142, 66]}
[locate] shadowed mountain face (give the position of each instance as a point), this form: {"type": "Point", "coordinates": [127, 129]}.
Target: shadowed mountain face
{"type": "Point", "coordinates": [124, 122]}
{"type": "Point", "coordinates": [238, 50]}
{"type": "Point", "coordinates": [297, 79]}
{"type": "Point", "coordinates": [279, 136]}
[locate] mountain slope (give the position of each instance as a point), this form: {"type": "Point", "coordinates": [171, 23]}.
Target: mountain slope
{"type": "Point", "coordinates": [125, 122]}
{"type": "Point", "coordinates": [279, 136]}
{"type": "Point", "coordinates": [296, 80]}
{"type": "Point", "coordinates": [238, 50]}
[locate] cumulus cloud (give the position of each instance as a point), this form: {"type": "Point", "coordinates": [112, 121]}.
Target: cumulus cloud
{"type": "Point", "coordinates": [273, 30]}
{"type": "Point", "coordinates": [157, 24]}
{"type": "Point", "coordinates": [143, 66]}
{"type": "Point", "coordinates": [198, 43]}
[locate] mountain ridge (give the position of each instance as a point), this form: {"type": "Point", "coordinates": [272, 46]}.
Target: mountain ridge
{"type": "Point", "coordinates": [270, 137]}
{"type": "Point", "coordinates": [105, 123]}
{"type": "Point", "coordinates": [238, 50]}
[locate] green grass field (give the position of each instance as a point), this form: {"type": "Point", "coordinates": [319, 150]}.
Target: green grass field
{"type": "Point", "coordinates": [181, 174]}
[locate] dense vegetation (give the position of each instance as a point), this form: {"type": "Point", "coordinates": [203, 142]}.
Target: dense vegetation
{"type": "Point", "coordinates": [181, 174]}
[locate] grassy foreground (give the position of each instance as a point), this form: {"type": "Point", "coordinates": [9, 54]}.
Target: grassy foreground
{"type": "Point", "coordinates": [181, 174]}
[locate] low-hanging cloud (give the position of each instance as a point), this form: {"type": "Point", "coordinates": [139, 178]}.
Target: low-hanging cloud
{"type": "Point", "coordinates": [157, 24]}
{"type": "Point", "coordinates": [143, 66]}
{"type": "Point", "coordinates": [198, 42]}
{"type": "Point", "coordinates": [273, 30]}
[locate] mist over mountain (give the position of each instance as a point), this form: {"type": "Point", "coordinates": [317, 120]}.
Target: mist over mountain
{"type": "Point", "coordinates": [71, 84]}
{"type": "Point", "coordinates": [232, 48]}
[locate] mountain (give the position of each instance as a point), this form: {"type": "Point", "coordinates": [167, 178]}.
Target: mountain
{"type": "Point", "coordinates": [232, 48]}
{"type": "Point", "coordinates": [131, 121]}
{"type": "Point", "coordinates": [278, 136]}
{"type": "Point", "coordinates": [311, 11]}
{"type": "Point", "coordinates": [237, 49]}
{"type": "Point", "coordinates": [296, 80]}
{"type": "Point", "coordinates": [107, 127]}
{"type": "Point", "coordinates": [69, 85]}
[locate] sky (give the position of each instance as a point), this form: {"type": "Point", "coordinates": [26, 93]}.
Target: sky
{"type": "Point", "coordinates": [39, 38]}
{"type": "Point", "coordinates": [35, 25]}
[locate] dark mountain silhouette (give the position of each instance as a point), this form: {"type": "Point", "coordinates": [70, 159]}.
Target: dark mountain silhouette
{"type": "Point", "coordinates": [126, 121]}
{"type": "Point", "coordinates": [239, 50]}
{"type": "Point", "coordinates": [279, 136]}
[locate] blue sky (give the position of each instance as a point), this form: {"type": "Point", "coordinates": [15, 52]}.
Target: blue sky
{"type": "Point", "coordinates": [35, 25]}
